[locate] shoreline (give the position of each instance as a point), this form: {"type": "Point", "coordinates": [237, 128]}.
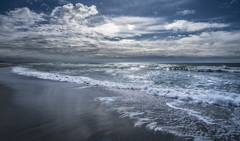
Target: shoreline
{"type": "Point", "coordinates": [5, 65]}
{"type": "Point", "coordinates": [50, 110]}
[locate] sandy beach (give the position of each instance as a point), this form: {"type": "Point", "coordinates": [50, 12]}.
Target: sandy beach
{"type": "Point", "coordinates": [34, 109]}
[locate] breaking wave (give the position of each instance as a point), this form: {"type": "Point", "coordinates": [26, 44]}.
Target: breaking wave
{"type": "Point", "coordinates": [194, 94]}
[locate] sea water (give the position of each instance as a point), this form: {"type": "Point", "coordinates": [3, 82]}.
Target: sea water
{"type": "Point", "coordinates": [195, 100]}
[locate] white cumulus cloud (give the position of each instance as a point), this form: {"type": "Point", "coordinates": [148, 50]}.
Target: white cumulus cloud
{"type": "Point", "coordinates": [24, 16]}
{"type": "Point", "coordinates": [70, 13]}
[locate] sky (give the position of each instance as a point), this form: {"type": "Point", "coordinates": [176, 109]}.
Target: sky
{"type": "Point", "coordinates": [120, 30]}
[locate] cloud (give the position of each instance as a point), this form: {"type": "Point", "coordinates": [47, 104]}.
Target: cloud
{"type": "Point", "coordinates": [65, 33]}
{"type": "Point", "coordinates": [108, 29]}
{"type": "Point", "coordinates": [134, 20]}
{"type": "Point", "coordinates": [136, 26]}
{"type": "Point", "coordinates": [23, 16]}
{"type": "Point", "coordinates": [206, 44]}
{"type": "Point", "coordinates": [77, 31]}
{"type": "Point", "coordinates": [219, 43]}
{"type": "Point", "coordinates": [186, 12]}
{"type": "Point", "coordinates": [20, 13]}
{"type": "Point", "coordinates": [130, 27]}
{"type": "Point", "coordinates": [70, 13]}
{"type": "Point", "coordinates": [19, 19]}
{"type": "Point", "coordinates": [183, 25]}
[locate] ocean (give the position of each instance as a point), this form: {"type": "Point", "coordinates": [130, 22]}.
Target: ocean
{"type": "Point", "coordinates": [195, 100]}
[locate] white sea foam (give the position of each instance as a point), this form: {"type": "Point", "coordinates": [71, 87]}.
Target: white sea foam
{"type": "Point", "coordinates": [177, 117]}
{"type": "Point", "coordinates": [170, 67]}
{"type": "Point", "coordinates": [141, 121]}
{"type": "Point", "coordinates": [106, 99]}
{"type": "Point", "coordinates": [216, 69]}
{"type": "Point", "coordinates": [205, 119]}
{"type": "Point", "coordinates": [198, 96]}
{"type": "Point", "coordinates": [211, 96]}
{"type": "Point", "coordinates": [152, 126]}
{"type": "Point", "coordinates": [68, 78]}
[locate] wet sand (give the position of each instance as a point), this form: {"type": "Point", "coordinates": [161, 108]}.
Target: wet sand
{"type": "Point", "coordinates": [35, 109]}
{"type": "Point", "coordinates": [4, 65]}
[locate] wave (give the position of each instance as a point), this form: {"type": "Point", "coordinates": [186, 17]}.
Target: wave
{"type": "Point", "coordinates": [195, 95]}
{"type": "Point", "coordinates": [68, 78]}
{"type": "Point", "coordinates": [167, 67]}
{"type": "Point", "coordinates": [200, 68]}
